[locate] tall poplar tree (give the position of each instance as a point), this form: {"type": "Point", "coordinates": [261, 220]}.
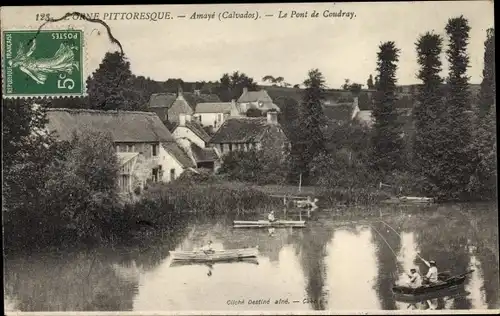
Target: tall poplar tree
{"type": "Point", "coordinates": [310, 142]}
{"type": "Point", "coordinates": [428, 110]}
{"type": "Point", "coordinates": [387, 140]}
{"type": "Point", "coordinates": [456, 165]}
{"type": "Point", "coordinates": [488, 86]}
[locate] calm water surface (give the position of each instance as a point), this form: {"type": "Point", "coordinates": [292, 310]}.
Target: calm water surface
{"type": "Point", "coordinates": [338, 262]}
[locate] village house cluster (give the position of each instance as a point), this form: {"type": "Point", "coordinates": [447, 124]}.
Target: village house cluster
{"type": "Point", "coordinates": [201, 129]}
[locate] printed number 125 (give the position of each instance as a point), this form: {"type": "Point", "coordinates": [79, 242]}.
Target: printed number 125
{"type": "Point", "coordinates": [42, 16]}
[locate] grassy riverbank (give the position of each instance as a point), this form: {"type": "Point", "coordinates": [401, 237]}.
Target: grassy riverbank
{"type": "Point", "coordinates": [327, 197]}
{"type": "Point", "coordinates": [163, 210]}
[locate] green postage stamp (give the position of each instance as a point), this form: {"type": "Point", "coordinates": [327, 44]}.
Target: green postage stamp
{"type": "Point", "coordinates": [43, 63]}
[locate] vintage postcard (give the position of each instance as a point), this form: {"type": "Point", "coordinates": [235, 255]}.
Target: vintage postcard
{"type": "Point", "coordinates": [285, 158]}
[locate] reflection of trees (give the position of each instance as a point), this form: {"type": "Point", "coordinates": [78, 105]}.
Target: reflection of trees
{"type": "Point", "coordinates": [312, 259]}
{"type": "Point", "coordinates": [43, 283]}
{"type": "Point", "coordinates": [443, 234]}
{"type": "Point", "coordinates": [484, 235]}
{"type": "Point", "coordinates": [387, 263]}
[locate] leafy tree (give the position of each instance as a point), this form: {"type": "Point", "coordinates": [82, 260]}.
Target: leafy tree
{"type": "Point", "coordinates": [428, 110]}
{"type": "Point", "coordinates": [25, 151]}
{"type": "Point", "coordinates": [456, 167]}
{"type": "Point", "coordinates": [289, 116]}
{"type": "Point", "coordinates": [347, 84]}
{"type": "Point", "coordinates": [488, 86]}
{"type": "Point", "coordinates": [82, 188]}
{"type": "Point", "coordinates": [231, 86]}
{"type": "Point", "coordinates": [311, 141]}
{"type": "Point", "coordinates": [269, 79]}
{"type": "Point", "coordinates": [355, 88]}
{"type": "Point", "coordinates": [258, 166]}
{"type": "Point", "coordinates": [296, 86]}
{"type": "Point", "coordinates": [111, 86]}
{"type": "Point", "coordinates": [386, 140]}
{"type": "Point", "coordinates": [483, 183]}
{"type": "Point", "coordinates": [369, 83]}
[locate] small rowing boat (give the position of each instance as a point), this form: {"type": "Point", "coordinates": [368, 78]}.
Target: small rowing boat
{"type": "Point", "coordinates": [264, 223]}
{"type": "Point", "coordinates": [176, 263]}
{"type": "Point", "coordinates": [458, 291]}
{"type": "Point", "coordinates": [215, 255]}
{"type": "Point", "coordinates": [445, 282]}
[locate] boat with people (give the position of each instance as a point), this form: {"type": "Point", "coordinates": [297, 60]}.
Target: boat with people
{"type": "Point", "coordinates": [458, 291]}
{"type": "Point", "coordinates": [250, 260]}
{"type": "Point", "coordinates": [445, 281]}
{"type": "Point", "coordinates": [215, 255]}
{"type": "Point", "coordinates": [268, 224]}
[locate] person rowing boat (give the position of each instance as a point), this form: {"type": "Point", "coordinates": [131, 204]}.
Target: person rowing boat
{"type": "Point", "coordinates": [270, 217]}
{"type": "Point", "coordinates": [207, 249]}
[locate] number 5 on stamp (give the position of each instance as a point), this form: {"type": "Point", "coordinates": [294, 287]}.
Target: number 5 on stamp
{"type": "Point", "coordinates": [44, 63]}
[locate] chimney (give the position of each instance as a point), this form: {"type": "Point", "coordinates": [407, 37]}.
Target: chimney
{"type": "Point", "coordinates": [272, 117]}
{"type": "Point", "coordinates": [245, 90]}
{"type": "Point", "coordinates": [182, 119]}
{"type": "Point", "coordinates": [234, 108]}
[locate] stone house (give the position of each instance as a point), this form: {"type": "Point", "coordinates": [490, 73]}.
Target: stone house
{"type": "Point", "coordinates": [255, 100]}
{"type": "Point", "coordinates": [168, 106]}
{"type": "Point", "coordinates": [245, 133]}
{"type": "Point", "coordinates": [191, 136]}
{"type": "Point", "coordinates": [213, 114]}
{"type": "Point", "coordinates": [146, 150]}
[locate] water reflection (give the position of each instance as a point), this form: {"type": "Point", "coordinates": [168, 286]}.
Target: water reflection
{"type": "Point", "coordinates": [337, 262]}
{"type": "Point", "coordinates": [352, 271]}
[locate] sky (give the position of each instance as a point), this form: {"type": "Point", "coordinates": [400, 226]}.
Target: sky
{"type": "Point", "coordinates": [197, 50]}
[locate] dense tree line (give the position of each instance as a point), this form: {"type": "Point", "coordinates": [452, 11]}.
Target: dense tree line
{"type": "Point", "coordinates": [448, 152]}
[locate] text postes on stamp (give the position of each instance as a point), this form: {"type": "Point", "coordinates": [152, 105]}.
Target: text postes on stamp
{"type": "Point", "coordinates": [43, 63]}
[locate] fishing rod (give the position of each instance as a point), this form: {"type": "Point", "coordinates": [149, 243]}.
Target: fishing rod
{"type": "Point", "coordinates": [398, 235]}
{"type": "Point", "coordinates": [387, 243]}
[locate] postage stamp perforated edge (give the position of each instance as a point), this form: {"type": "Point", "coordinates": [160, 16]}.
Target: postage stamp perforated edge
{"type": "Point", "coordinates": [84, 69]}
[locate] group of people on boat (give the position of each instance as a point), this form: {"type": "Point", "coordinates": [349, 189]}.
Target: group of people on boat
{"type": "Point", "coordinates": [416, 280]}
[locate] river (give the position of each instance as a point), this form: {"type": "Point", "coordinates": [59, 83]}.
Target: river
{"type": "Point", "coordinates": [338, 262]}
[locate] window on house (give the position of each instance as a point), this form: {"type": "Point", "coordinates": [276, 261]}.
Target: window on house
{"type": "Point", "coordinates": [154, 175]}
{"type": "Point", "coordinates": [230, 147]}
{"type": "Point", "coordinates": [219, 117]}
{"type": "Point", "coordinates": [172, 174]}
{"type": "Point", "coordinates": [155, 150]}
{"type": "Point", "coordinates": [117, 148]}
{"type": "Point", "coordinates": [160, 173]}
{"type": "Point", "coordinates": [130, 148]}
{"type": "Point", "coordinates": [221, 148]}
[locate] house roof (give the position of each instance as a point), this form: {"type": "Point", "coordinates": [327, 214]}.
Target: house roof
{"type": "Point", "coordinates": [203, 154]}
{"type": "Point", "coordinates": [180, 106]}
{"type": "Point", "coordinates": [213, 107]}
{"type": "Point", "coordinates": [196, 128]}
{"type": "Point", "coordinates": [254, 96]}
{"type": "Point", "coordinates": [179, 154]}
{"type": "Point", "coordinates": [124, 126]}
{"type": "Point", "coordinates": [241, 130]}
{"type": "Point", "coordinates": [193, 99]}
{"type": "Point", "coordinates": [162, 100]}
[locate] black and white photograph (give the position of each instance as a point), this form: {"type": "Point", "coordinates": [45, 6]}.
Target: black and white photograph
{"type": "Point", "coordinates": [257, 158]}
